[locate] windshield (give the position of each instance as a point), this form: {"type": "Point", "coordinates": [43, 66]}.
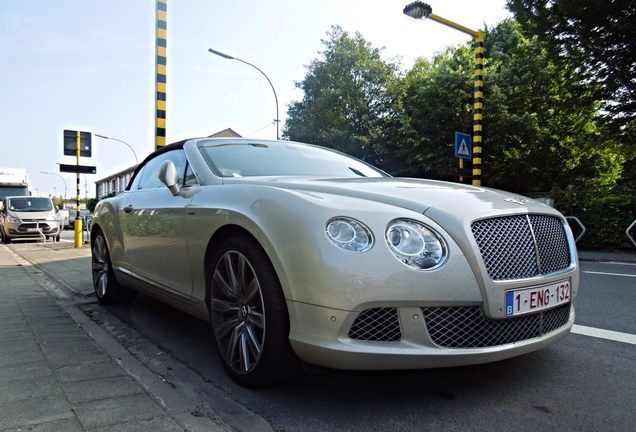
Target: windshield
{"type": "Point", "coordinates": [30, 204]}
{"type": "Point", "coordinates": [282, 159]}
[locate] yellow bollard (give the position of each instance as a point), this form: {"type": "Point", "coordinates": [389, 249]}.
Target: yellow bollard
{"type": "Point", "coordinates": [78, 232]}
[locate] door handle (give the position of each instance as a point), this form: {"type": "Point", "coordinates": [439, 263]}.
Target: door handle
{"type": "Point", "coordinates": [128, 209]}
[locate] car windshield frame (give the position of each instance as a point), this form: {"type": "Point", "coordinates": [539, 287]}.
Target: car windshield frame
{"type": "Point", "coordinates": [27, 205]}
{"type": "Point", "coordinates": [263, 165]}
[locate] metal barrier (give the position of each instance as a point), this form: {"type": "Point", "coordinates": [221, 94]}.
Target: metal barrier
{"type": "Point", "coordinates": [627, 232]}
{"type": "Point", "coordinates": [37, 226]}
{"type": "Point", "coordinates": [86, 234]}
{"type": "Point", "coordinates": [583, 230]}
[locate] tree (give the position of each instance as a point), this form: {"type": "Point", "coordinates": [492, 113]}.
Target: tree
{"type": "Point", "coordinates": [592, 36]}
{"type": "Point", "coordinates": [347, 98]}
{"type": "Point", "coordinates": [595, 38]}
{"type": "Point", "coordinates": [435, 102]}
{"type": "Point", "coordinates": [541, 123]}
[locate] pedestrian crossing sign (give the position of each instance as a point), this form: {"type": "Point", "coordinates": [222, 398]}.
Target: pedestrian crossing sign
{"type": "Point", "coordinates": [463, 145]}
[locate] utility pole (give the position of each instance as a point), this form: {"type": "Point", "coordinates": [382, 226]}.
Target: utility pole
{"type": "Point", "coordinates": [161, 63]}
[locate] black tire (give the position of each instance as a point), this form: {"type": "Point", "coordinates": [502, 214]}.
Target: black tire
{"type": "Point", "coordinates": [57, 239]}
{"type": "Point", "coordinates": [5, 238]}
{"type": "Point", "coordinates": [248, 309]}
{"type": "Point", "coordinates": [107, 289]}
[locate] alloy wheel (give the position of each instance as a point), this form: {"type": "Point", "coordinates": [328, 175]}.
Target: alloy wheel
{"type": "Point", "coordinates": [100, 266]}
{"type": "Point", "coordinates": [237, 312]}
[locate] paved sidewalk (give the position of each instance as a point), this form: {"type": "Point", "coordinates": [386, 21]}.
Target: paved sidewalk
{"type": "Point", "coordinates": [53, 376]}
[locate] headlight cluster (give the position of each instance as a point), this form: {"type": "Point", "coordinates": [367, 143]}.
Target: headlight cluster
{"type": "Point", "coordinates": [411, 242]}
{"type": "Point", "coordinates": [13, 219]}
{"type": "Point", "coordinates": [415, 244]}
{"type": "Point", "coordinates": [349, 234]}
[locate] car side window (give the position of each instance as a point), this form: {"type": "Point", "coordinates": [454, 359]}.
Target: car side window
{"type": "Point", "coordinates": [149, 178]}
{"type": "Point", "coordinates": [190, 178]}
{"type": "Point", "coordinates": [135, 183]}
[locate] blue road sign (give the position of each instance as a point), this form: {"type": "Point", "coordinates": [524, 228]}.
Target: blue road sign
{"type": "Point", "coordinates": [463, 145]}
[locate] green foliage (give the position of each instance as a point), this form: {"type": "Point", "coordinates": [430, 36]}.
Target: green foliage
{"type": "Point", "coordinates": [605, 216]}
{"type": "Point", "coordinates": [435, 102]}
{"type": "Point", "coordinates": [91, 203]}
{"type": "Point", "coordinates": [542, 126]}
{"type": "Point", "coordinates": [593, 37]}
{"type": "Point", "coordinates": [347, 98]}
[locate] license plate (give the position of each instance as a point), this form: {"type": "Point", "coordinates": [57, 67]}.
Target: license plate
{"type": "Point", "coordinates": [523, 301]}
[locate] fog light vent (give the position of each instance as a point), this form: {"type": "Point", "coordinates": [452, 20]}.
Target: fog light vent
{"type": "Point", "coordinates": [377, 325]}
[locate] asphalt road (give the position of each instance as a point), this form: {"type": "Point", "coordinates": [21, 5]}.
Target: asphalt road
{"type": "Point", "coordinates": [581, 383]}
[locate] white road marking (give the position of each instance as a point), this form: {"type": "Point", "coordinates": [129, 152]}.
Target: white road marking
{"type": "Point", "coordinates": [609, 274]}
{"type": "Point", "coordinates": [617, 263]}
{"type": "Point", "coordinates": [604, 334]}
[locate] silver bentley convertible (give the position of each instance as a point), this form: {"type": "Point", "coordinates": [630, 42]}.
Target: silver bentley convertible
{"type": "Point", "coordinates": [295, 252]}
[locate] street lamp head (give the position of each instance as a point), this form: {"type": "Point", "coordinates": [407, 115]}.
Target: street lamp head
{"type": "Point", "coordinates": [101, 136]}
{"type": "Point", "coordinates": [418, 10]}
{"type": "Point", "coordinates": [220, 54]}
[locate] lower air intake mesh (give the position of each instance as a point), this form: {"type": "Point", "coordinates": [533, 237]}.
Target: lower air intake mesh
{"type": "Point", "coordinates": [467, 327]}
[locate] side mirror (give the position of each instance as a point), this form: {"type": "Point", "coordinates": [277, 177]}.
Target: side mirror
{"type": "Point", "coordinates": [1, 206]}
{"type": "Point", "coordinates": [168, 176]}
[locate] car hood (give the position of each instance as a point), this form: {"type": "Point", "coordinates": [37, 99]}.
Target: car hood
{"type": "Point", "coordinates": [422, 196]}
{"type": "Point", "coordinates": [22, 215]}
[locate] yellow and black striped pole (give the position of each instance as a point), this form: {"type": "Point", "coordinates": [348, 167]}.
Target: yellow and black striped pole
{"type": "Point", "coordinates": [77, 224]}
{"type": "Point", "coordinates": [478, 107]}
{"type": "Point", "coordinates": [161, 28]}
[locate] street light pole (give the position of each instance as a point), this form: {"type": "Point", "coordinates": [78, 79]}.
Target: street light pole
{"type": "Point", "coordinates": [229, 57]}
{"type": "Point", "coordinates": [421, 10]}
{"type": "Point", "coordinates": [123, 142]}
{"type": "Point", "coordinates": [64, 181]}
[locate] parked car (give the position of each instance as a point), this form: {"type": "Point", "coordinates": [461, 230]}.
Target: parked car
{"type": "Point", "coordinates": [85, 215]}
{"type": "Point", "coordinates": [296, 252]}
{"type": "Point", "coordinates": [25, 217]}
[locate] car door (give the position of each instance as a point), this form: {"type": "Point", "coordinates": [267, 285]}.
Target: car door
{"type": "Point", "coordinates": [153, 226]}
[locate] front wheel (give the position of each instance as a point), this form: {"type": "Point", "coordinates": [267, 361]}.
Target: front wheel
{"type": "Point", "coordinates": [5, 238]}
{"type": "Point", "coordinates": [248, 314]}
{"type": "Point", "coordinates": [107, 289]}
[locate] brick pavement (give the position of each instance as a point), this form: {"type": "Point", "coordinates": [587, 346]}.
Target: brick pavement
{"type": "Point", "coordinates": [53, 376]}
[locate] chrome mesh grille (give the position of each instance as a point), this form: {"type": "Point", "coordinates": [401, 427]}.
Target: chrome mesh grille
{"type": "Point", "coordinates": [552, 244]}
{"type": "Point", "coordinates": [467, 327]}
{"type": "Point", "coordinates": [509, 245]}
{"type": "Point", "coordinates": [377, 325]}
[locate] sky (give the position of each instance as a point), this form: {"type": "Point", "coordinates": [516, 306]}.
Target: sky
{"type": "Point", "coordinates": [89, 65]}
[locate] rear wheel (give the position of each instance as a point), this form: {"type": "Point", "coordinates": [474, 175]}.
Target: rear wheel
{"type": "Point", "coordinates": [107, 289]}
{"type": "Point", "coordinates": [248, 314]}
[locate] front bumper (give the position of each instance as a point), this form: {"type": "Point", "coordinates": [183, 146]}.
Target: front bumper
{"type": "Point", "coordinates": [33, 230]}
{"type": "Point", "coordinates": [321, 336]}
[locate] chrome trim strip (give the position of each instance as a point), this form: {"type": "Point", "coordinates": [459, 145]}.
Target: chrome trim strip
{"type": "Point", "coordinates": [536, 245]}
{"type": "Point", "coordinates": [160, 289]}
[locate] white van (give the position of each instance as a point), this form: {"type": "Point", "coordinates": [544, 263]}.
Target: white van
{"type": "Point", "coordinates": [23, 217]}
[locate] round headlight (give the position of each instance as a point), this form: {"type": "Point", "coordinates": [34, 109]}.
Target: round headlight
{"type": "Point", "coordinates": [349, 234]}
{"type": "Point", "coordinates": [415, 244]}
